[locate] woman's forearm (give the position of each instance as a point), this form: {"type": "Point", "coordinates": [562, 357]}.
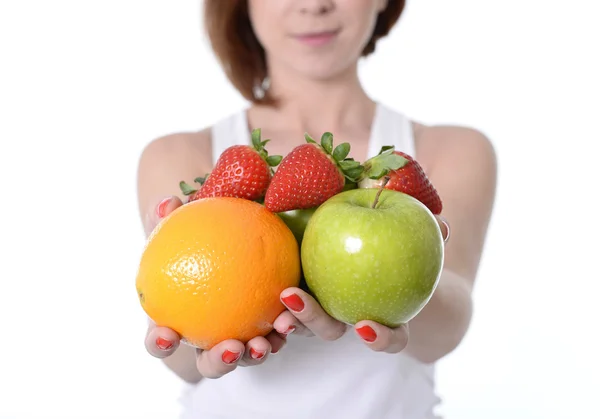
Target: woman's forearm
{"type": "Point", "coordinates": [441, 325]}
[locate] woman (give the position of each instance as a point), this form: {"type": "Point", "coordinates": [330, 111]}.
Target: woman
{"type": "Point", "coordinates": [296, 62]}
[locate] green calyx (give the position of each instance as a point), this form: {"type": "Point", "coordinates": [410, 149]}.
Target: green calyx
{"type": "Point", "coordinates": [259, 145]}
{"type": "Point", "coordinates": [383, 163]}
{"type": "Point", "coordinates": [351, 169]}
{"type": "Point", "coordinates": [188, 189]}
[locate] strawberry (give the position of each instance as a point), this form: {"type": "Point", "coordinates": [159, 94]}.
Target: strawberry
{"type": "Point", "coordinates": [310, 174]}
{"type": "Point", "coordinates": [242, 171]}
{"type": "Point", "coordinates": [405, 175]}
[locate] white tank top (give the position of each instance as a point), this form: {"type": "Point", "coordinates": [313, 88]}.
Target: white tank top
{"type": "Point", "coordinates": [310, 378]}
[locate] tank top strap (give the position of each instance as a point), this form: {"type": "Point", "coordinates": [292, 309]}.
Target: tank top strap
{"type": "Point", "coordinates": [229, 131]}
{"type": "Point", "coordinates": [391, 127]}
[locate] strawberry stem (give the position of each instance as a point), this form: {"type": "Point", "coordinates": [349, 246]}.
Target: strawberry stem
{"type": "Point", "coordinates": [376, 200]}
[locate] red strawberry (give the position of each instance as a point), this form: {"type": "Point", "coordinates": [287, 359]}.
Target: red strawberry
{"type": "Point", "coordinates": [405, 175]}
{"type": "Point", "coordinates": [242, 171]}
{"type": "Point", "coordinates": [310, 174]}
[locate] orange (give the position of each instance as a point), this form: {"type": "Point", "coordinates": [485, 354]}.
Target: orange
{"type": "Point", "coordinates": [214, 268]}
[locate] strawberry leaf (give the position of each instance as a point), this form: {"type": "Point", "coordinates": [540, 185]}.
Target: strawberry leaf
{"type": "Point", "coordinates": [256, 139]}
{"type": "Point", "coordinates": [351, 169]}
{"type": "Point", "coordinates": [382, 164]}
{"type": "Point", "coordinates": [186, 189]}
{"type": "Point", "coordinates": [274, 160]}
{"type": "Point", "coordinates": [200, 180]}
{"type": "Point", "coordinates": [354, 173]}
{"type": "Point", "coordinates": [309, 139]}
{"type": "Point", "coordinates": [327, 142]}
{"type": "Point", "coordinates": [386, 148]}
{"type": "Point", "coordinates": [341, 151]}
{"type": "Point", "coordinates": [349, 164]}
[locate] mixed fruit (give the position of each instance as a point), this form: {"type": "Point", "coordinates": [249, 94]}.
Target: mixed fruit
{"type": "Point", "coordinates": [365, 243]}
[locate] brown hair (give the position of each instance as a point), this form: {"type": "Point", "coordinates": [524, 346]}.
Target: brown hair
{"type": "Point", "coordinates": [235, 45]}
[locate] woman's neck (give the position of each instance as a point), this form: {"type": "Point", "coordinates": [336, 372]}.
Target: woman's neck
{"type": "Point", "coordinates": [319, 105]}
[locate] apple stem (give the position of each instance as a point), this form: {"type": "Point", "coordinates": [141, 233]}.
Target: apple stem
{"type": "Point", "coordinates": [385, 181]}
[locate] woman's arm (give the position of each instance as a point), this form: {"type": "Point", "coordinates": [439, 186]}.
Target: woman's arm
{"type": "Point", "coordinates": [461, 163]}
{"type": "Point", "coordinates": [163, 164]}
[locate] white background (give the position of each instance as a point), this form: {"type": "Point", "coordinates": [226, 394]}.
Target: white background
{"type": "Point", "coordinates": [85, 85]}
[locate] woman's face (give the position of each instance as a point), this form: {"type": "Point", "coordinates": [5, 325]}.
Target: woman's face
{"type": "Point", "coordinates": [315, 38]}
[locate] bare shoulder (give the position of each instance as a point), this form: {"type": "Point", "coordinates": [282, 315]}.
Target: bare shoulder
{"type": "Point", "coordinates": [444, 146]}
{"type": "Point", "coordinates": [179, 147]}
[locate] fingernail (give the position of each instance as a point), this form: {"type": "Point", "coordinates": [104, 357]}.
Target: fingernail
{"type": "Point", "coordinates": [161, 209]}
{"type": "Point", "coordinates": [293, 302]}
{"type": "Point", "coordinates": [367, 333]}
{"type": "Point", "coordinates": [289, 330]}
{"type": "Point", "coordinates": [163, 344]}
{"type": "Point", "coordinates": [445, 229]}
{"type": "Point", "coordinates": [230, 357]}
{"type": "Point", "coordinates": [256, 354]}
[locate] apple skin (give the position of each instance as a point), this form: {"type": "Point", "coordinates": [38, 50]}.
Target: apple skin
{"type": "Point", "coordinates": [296, 220]}
{"type": "Point", "coordinates": [379, 264]}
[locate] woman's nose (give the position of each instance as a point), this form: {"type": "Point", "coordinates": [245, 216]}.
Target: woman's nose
{"type": "Point", "coordinates": [316, 7]}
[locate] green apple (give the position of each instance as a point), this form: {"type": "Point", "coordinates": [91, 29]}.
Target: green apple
{"type": "Point", "coordinates": [372, 254]}
{"type": "Point", "coordinates": [296, 220]}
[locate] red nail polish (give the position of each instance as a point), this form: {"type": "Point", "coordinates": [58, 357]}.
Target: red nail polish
{"type": "Point", "coordinates": [161, 209]}
{"type": "Point", "coordinates": [229, 357]}
{"type": "Point", "coordinates": [367, 333]}
{"type": "Point", "coordinates": [163, 344]}
{"type": "Point", "coordinates": [293, 302]}
{"type": "Point", "coordinates": [289, 330]}
{"type": "Point", "coordinates": [256, 354]}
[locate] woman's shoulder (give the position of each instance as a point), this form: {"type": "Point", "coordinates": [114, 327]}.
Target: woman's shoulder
{"type": "Point", "coordinates": [193, 143]}
{"type": "Point", "coordinates": [180, 141]}
{"type": "Point", "coordinates": [180, 146]}
{"type": "Point", "coordinates": [452, 145]}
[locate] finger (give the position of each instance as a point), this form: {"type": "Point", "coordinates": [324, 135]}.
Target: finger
{"type": "Point", "coordinates": [276, 340]}
{"type": "Point", "coordinates": [161, 210]}
{"type": "Point", "coordinates": [287, 324]}
{"type": "Point", "coordinates": [220, 359]}
{"type": "Point", "coordinates": [444, 227]}
{"type": "Point", "coordinates": [167, 206]}
{"type": "Point", "coordinates": [161, 341]}
{"type": "Point", "coordinates": [381, 338]}
{"type": "Point", "coordinates": [256, 352]}
{"type": "Point", "coordinates": [306, 309]}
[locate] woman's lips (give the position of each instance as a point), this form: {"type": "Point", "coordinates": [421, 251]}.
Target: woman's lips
{"type": "Point", "coordinates": [317, 38]}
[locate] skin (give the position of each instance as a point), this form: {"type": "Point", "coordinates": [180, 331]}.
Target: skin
{"type": "Point", "coordinates": [320, 91]}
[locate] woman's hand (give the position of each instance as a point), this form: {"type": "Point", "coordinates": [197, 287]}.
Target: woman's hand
{"type": "Point", "coordinates": [221, 359]}
{"type": "Point", "coordinates": [307, 318]}
{"type": "Point", "coordinates": [224, 357]}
